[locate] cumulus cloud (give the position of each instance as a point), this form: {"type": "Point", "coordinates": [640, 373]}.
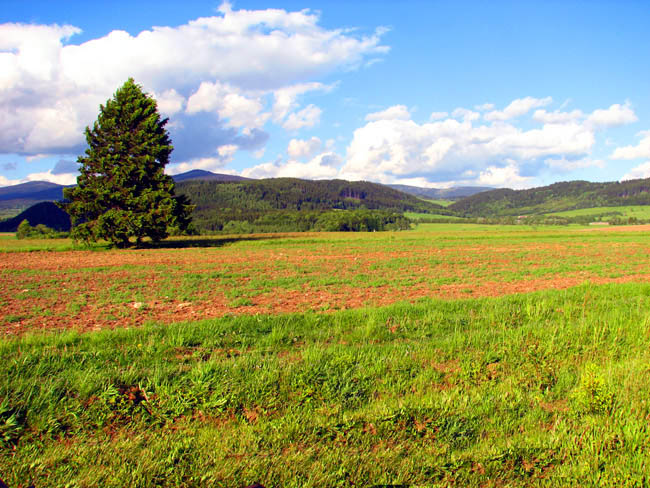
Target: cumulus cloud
{"type": "Point", "coordinates": [286, 98]}
{"type": "Point", "coordinates": [638, 172]}
{"type": "Point", "coordinates": [557, 117]}
{"type": "Point", "coordinates": [307, 117]}
{"type": "Point", "coordinates": [322, 166]}
{"type": "Point", "coordinates": [236, 109]}
{"type": "Point", "coordinates": [484, 107]}
{"type": "Point", "coordinates": [517, 108]}
{"type": "Point", "coordinates": [7, 182]}
{"type": "Point", "coordinates": [465, 114]}
{"type": "Point", "coordinates": [240, 68]}
{"type": "Point", "coordinates": [438, 115]}
{"type": "Point", "coordinates": [222, 156]}
{"type": "Point", "coordinates": [613, 116]}
{"type": "Point", "coordinates": [564, 165]}
{"type": "Point", "coordinates": [396, 112]}
{"type": "Point", "coordinates": [299, 148]}
{"type": "Point", "coordinates": [462, 149]}
{"type": "Point", "coordinates": [61, 179]}
{"type": "Point", "coordinates": [170, 102]}
{"type": "Point", "coordinates": [641, 150]}
{"type": "Point", "coordinates": [503, 176]}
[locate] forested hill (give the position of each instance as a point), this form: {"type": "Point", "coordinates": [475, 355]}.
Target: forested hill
{"type": "Point", "coordinates": [219, 202]}
{"type": "Point", "coordinates": [554, 198]}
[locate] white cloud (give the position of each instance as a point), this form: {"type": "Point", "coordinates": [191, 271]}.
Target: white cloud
{"type": "Point", "coordinates": [638, 172]}
{"type": "Point", "coordinates": [258, 60]}
{"type": "Point", "coordinates": [323, 166]}
{"type": "Point", "coordinates": [208, 164]}
{"type": "Point", "coordinates": [465, 114]}
{"type": "Point", "coordinates": [642, 150]}
{"type": "Point", "coordinates": [507, 176]}
{"type": "Point", "coordinates": [299, 148]}
{"type": "Point", "coordinates": [223, 155]}
{"type": "Point", "coordinates": [396, 112]}
{"type": "Point", "coordinates": [170, 102]}
{"type": "Point", "coordinates": [7, 182]}
{"type": "Point", "coordinates": [438, 115]}
{"type": "Point", "coordinates": [484, 107]}
{"type": "Point", "coordinates": [517, 108]}
{"type": "Point", "coordinates": [469, 152]}
{"type": "Point", "coordinates": [285, 98]}
{"type": "Point", "coordinates": [61, 179]}
{"type": "Point", "coordinates": [238, 110]}
{"type": "Point", "coordinates": [613, 116]}
{"type": "Point", "coordinates": [563, 164]}
{"type": "Point", "coordinates": [307, 117]}
{"type": "Point", "coordinates": [557, 117]}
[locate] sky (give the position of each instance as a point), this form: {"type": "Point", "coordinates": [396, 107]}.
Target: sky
{"type": "Point", "coordinates": [428, 93]}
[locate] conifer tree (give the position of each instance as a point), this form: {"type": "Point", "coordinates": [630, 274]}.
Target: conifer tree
{"type": "Point", "coordinates": [122, 191]}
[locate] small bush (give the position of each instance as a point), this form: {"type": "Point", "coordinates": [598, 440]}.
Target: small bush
{"type": "Point", "coordinates": [26, 231]}
{"type": "Point", "coordinates": [594, 395]}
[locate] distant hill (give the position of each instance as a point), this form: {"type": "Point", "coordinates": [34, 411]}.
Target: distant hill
{"type": "Point", "coordinates": [569, 195]}
{"type": "Point", "coordinates": [46, 213]}
{"type": "Point", "coordinates": [454, 193]}
{"type": "Point", "coordinates": [220, 199]}
{"type": "Point", "coordinates": [199, 174]}
{"type": "Point", "coordinates": [25, 195]}
{"type": "Point", "coordinates": [218, 203]}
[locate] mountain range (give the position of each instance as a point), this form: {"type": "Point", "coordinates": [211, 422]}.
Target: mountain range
{"type": "Point", "coordinates": [221, 198]}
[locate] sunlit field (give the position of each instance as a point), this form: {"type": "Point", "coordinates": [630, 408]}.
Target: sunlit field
{"type": "Point", "coordinates": [459, 355]}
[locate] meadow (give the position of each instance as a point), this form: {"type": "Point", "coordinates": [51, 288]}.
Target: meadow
{"type": "Point", "coordinates": [640, 212]}
{"type": "Point", "coordinates": [451, 355]}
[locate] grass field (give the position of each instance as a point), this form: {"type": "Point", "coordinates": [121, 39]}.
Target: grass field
{"type": "Point", "coordinates": [443, 203]}
{"type": "Point", "coordinates": [417, 215]}
{"type": "Point", "coordinates": [641, 212]}
{"type": "Point", "coordinates": [451, 355]}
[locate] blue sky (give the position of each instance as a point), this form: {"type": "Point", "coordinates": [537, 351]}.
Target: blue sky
{"type": "Point", "coordinates": [513, 94]}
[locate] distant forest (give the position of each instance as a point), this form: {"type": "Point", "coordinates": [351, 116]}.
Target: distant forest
{"type": "Point", "coordinates": [558, 197]}
{"type": "Point", "coordinates": [286, 204]}
{"type": "Point", "coordinates": [291, 204]}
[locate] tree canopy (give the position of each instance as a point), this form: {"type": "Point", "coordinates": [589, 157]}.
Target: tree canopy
{"type": "Point", "coordinates": [122, 191]}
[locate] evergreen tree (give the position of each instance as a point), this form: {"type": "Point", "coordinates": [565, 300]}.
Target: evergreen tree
{"type": "Point", "coordinates": [122, 191]}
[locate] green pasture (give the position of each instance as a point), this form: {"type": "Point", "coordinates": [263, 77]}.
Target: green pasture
{"type": "Point", "coordinates": [441, 202]}
{"type": "Point", "coordinates": [548, 389]}
{"type": "Point", "coordinates": [641, 212]}
{"type": "Point", "coordinates": [541, 389]}
{"type": "Point", "coordinates": [419, 215]}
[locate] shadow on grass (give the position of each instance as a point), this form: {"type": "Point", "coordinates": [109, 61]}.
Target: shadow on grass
{"type": "Point", "coordinates": [205, 241]}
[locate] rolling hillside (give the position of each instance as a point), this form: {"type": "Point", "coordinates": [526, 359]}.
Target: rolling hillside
{"type": "Point", "coordinates": [199, 174]}
{"type": "Point", "coordinates": [288, 203]}
{"type": "Point", "coordinates": [558, 197]}
{"type": "Point", "coordinates": [218, 203]}
{"type": "Point", "coordinates": [16, 198]}
{"type": "Point", "coordinates": [46, 213]}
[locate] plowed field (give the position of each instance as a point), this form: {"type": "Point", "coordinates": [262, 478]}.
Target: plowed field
{"type": "Point", "coordinates": [89, 290]}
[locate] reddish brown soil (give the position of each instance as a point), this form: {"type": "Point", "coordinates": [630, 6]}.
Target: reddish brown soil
{"type": "Point", "coordinates": [622, 228]}
{"type": "Point", "coordinates": [92, 290]}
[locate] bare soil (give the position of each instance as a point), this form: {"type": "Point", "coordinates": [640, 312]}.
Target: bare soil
{"type": "Point", "coordinates": [87, 290]}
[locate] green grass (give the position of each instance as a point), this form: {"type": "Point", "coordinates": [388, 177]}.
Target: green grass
{"type": "Point", "coordinates": [418, 215]}
{"type": "Point", "coordinates": [9, 243]}
{"type": "Point", "coordinates": [637, 211]}
{"type": "Point", "coordinates": [441, 202]}
{"type": "Point", "coordinates": [548, 389]}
